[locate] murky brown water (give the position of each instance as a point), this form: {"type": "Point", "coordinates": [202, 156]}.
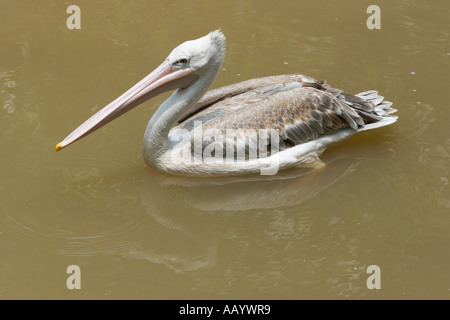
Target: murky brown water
{"type": "Point", "coordinates": [383, 198]}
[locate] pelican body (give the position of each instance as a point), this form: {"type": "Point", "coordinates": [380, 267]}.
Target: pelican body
{"type": "Point", "coordinates": [259, 125]}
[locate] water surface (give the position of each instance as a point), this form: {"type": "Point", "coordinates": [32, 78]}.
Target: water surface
{"type": "Point", "coordinates": [382, 199]}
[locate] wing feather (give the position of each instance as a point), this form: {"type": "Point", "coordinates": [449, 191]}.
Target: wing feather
{"type": "Point", "coordinates": [299, 115]}
{"type": "Point", "coordinates": [297, 107]}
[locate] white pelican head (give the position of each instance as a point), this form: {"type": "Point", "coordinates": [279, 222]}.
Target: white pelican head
{"type": "Point", "coordinates": [183, 67]}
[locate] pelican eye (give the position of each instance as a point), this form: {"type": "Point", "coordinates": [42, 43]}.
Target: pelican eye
{"type": "Point", "coordinates": [182, 61]}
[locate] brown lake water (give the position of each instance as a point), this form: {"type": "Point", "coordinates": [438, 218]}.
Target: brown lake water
{"type": "Point", "coordinates": [383, 198]}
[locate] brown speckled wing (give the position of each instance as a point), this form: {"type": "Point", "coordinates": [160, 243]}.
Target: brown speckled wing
{"type": "Point", "coordinates": [299, 108]}
{"type": "Point", "coordinates": [228, 99]}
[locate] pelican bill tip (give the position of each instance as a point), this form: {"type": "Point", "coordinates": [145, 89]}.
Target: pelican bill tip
{"type": "Point", "coordinates": [58, 147]}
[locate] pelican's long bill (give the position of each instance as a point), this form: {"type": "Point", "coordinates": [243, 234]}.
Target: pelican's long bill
{"type": "Point", "coordinates": [162, 79]}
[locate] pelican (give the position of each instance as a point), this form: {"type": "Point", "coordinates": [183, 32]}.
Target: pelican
{"type": "Point", "coordinates": [258, 125]}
